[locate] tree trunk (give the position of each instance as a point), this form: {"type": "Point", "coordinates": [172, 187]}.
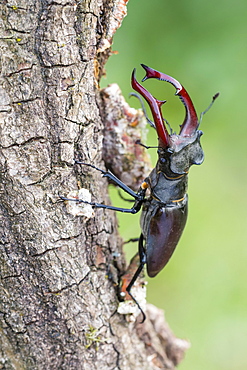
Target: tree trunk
{"type": "Point", "coordinates": [60, 265]}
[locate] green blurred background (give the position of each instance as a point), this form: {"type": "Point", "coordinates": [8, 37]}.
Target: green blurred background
{"type": "Point", "coordinates": [203, 44]}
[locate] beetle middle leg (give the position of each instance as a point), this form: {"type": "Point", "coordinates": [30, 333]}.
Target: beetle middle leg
{"type": "Point", "coordinates": [151, 123]}
{"type": "Point", "coordinates": [125, 199]}
{"type": "Point", "coordinates": [132, 210]}
{"type": "Point", "coordinates": [134, 270]}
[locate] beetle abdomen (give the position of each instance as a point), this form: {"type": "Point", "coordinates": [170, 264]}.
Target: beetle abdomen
{"type": "Point", "coordinates": [164, 232]}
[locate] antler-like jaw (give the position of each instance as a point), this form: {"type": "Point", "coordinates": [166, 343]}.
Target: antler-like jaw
{"type": "Point", "coordinates": [155, 106]}
{"type": "Point", "coordinates": [190, 123]}
{"type": "Point", "coordinates": [183, 150]}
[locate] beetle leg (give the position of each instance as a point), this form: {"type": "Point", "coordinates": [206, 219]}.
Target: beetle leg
{"type": "Point", "coordinates": [132, 240]}
{"type": "Point", "coordinates": [143, 260]}
{"type": "Point", "coordinates": [136, 208]}
{"type": "Point", "coordinates": [114, 179]}
{"type": "Point", "coordinates": [143, 109]}
{"type": "Point", "coordinates": [125, 199]}
{"type": "Point", "coordinates": [151, 123]}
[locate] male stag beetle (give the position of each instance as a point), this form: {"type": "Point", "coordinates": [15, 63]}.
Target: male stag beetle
{"type": "Point", "coordinates": [164, 211]}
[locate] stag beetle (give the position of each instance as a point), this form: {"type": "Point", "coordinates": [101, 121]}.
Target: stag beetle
{"type": "Point", "coordinates": [164, 211]}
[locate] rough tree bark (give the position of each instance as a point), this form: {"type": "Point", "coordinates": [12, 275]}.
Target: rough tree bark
{"type": "Point", "coordinates": [58, 306]}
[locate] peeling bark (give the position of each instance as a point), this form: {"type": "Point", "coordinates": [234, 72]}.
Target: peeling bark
{"type": "Point", "coordinates": [59, 270]}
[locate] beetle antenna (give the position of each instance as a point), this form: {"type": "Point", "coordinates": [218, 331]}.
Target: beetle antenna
{"type": "Point", "coordinates": [210, 105]}
{"type": "Point", "coordinates": [146, 116]}
{"type": "Point", "coordinates": [169, 126]}
{"type": "Point", "coordinates": [143, 108]}
{"type": "Point", "coordinates": [138, 142]}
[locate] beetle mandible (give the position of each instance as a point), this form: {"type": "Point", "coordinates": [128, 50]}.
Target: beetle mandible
{"type": "Point", "coordinates": [164, 211]}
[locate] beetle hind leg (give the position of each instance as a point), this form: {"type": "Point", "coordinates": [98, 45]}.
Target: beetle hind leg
{"type": "Point", "coordinates": [142, 262]}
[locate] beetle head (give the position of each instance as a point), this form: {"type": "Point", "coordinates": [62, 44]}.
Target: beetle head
{"type": "Point", "coordinates": [183, 153]}
{"type": "Point", "coordinates": [180, 151]}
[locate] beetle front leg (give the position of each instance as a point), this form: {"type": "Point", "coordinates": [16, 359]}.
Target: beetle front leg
{"type": "Point", "coordinates": [114, 179]}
